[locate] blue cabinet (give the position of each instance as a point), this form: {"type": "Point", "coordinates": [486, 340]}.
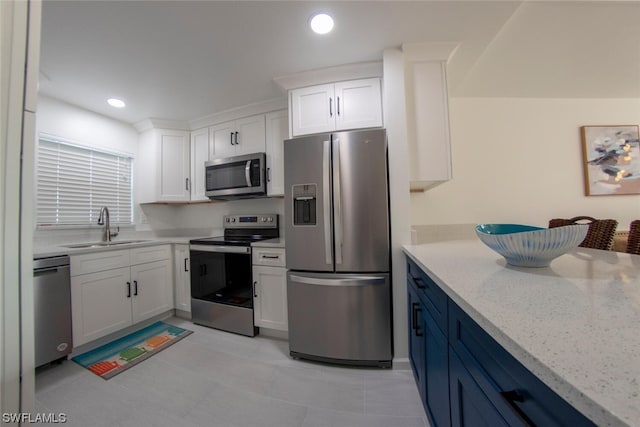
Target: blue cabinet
{"type": "Point", "coordinates": [416, 338]}
{"type": "Point", "coordinates": [428, 352]}
{"type": "Point", "coordinates": [465, 378]}
{"type": "Point", "coordinates": [469, 405]}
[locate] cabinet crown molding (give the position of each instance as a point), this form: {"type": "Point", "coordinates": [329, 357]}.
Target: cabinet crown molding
{"type": "Point", "coordinates": [152, 123]}
{"type": "Point", "coordinates": [356, 71]}
{"type": "Point", "coordinates": [239, 112]}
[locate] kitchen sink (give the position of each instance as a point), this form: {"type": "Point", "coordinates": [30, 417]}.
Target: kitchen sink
{"type": "Point", "coordinates": [103, 244]}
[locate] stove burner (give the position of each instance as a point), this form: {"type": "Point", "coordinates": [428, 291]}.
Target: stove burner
{"type": "Point", "coordinates": [242, 230]}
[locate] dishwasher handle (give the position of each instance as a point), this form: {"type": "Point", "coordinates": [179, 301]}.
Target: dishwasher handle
{"type": "Point", "coordinates": [45, 271]}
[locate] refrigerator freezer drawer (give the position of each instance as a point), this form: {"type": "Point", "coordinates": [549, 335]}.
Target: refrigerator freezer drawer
{"type": "Point", "coordinates": [341, 318]}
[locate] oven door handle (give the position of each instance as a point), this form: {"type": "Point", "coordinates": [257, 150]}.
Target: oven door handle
{"type": "Point", "coordinates": [221, 249]}
{"type": "Point", "coordinates": [247, 173]}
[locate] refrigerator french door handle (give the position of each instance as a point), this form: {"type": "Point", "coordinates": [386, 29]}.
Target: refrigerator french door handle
{"type": "Point", "coordinates": [345, 281]}
{"type": "Point", "coordinates": [337, 200]}
{"type": "Point", "coordinates": [247, 173]}
{"type": "Point", "coordinates": [326, 200]}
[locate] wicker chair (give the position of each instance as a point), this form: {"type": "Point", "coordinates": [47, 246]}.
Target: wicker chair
{"type": "Point", "coordinates": [633, 243]}
{"type": "Point", "coordinates": [600, 234]}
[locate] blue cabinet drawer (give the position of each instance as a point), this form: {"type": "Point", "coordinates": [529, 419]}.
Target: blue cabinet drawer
{"type": "Point", "coordinates": [434, 298]}
{"type": "Point", "coordinates": [513, 390]}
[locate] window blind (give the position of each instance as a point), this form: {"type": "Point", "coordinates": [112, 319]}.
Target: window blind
{"type": "Point", "coordinates": [74, 182]}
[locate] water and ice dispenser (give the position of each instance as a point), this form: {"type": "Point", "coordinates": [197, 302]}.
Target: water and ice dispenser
{"type": "Point", "coordinates": [304, 204]}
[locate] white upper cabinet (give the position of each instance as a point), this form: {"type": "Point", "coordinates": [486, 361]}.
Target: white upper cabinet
{"type": "Point", "coordinates": [199, 155]}
{"type": "Point", "coordinates": [312, 109]}
{"type": "Point", "coordinates": [344, 105]}
{"type": "Point", "coordinates": [277, 130]}
{"type": "Point", "coordinates": [163, 166]}
{"type": "Point", "coordinates": [358, 104]}
{"type": "Point", "coordinates": [427, 108]}
{"type": "Point", "coordinates": [241, 136]}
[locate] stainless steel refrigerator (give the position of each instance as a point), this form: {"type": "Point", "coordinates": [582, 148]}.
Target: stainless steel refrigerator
{"type": "Point", "coordinates": [337, 247]}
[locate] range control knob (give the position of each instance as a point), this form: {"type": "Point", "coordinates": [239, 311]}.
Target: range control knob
{"type": "Point", "coordinates": [227, 219]}
{"type": "Point", "coordinates": [270, 219]}
{"type": "Point", "coordinates": [263, 219]}
{"type": "Point", "coordinates": [233, 220]}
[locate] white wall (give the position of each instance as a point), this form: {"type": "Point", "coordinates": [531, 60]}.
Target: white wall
{"type": "Point", "coordinates": [520, 160]}
{"type": "Point", "coordinates": [85, 127]}
{"type": "Point", "coordinates": [82, 127]}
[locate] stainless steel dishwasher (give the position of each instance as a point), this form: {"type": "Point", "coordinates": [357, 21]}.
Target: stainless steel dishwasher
{"type": "Point", "coordinates": [52, 306]}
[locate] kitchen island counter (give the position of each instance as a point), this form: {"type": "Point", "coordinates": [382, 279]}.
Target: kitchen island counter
{"type": "Point", "coordinates": [575, 324]}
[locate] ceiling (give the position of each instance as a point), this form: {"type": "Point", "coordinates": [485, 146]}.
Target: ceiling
{"type": "Point", "coordinates": [183, 60]}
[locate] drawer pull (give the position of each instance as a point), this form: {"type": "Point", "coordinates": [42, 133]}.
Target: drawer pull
{"type": "Point", "coordinates": [513, 396]}
{"type": "Point", "coordinates": [516, 396]}
{"type": "Point", "coordinates": [420, 283]}
{"type": "Point", "coordinates": [271, 256]}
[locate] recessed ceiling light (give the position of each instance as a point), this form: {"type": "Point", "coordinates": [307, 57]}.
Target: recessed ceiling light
{"type": "Point", "coordinates": [321, 23]}
{"type": "Point", "coordinates": [114, 102]}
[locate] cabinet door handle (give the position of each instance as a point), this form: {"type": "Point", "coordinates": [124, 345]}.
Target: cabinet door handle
{"type": "Point", "coordinates": [186, 184]}
{"type": "Point", "coordinates": [186, 265]}
{"type": "Point", "coordinates": [255, 294]}
{"type": "Point", "coordinates": [338, 105]}
{"type": "Point", "coordinates": [128, 289]}
{"type": "Point", "coordinates": [414, 322]}
{"type": "Point", "coordinates": [330, 107]}
{"type": "Point", "coordinates": [135, 288]}
{"type": "Point", "coordinates": [414, 315]}
{"type": "Point", "coordinates": [237, 138]}
{"type": "Point", "coordinates": [268, 174]}
{"type": "Point", "coordinates": [231, 138]}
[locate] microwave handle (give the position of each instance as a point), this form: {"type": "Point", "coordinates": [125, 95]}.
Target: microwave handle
{"type": "Point", "coordinates": [247, 173]}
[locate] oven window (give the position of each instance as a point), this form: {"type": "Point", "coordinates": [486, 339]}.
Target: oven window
{"type": "Point", "coordinates": [221, 277]}
{"type": "Point", "coordinates": [226, 176]}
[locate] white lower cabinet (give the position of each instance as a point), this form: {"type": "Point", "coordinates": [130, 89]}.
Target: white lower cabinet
{"type": "Point", "coordinates": [182, 278]}
{"type": "Point", "coordinates": [270, 288]}
{"type": "Point", "coordinates": [152, 289]}
{"type": "Point", "coordinates": [107, 299]}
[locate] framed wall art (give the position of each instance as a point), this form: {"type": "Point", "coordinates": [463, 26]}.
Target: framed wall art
{"type": "Point", "coordinates": [611, 159]}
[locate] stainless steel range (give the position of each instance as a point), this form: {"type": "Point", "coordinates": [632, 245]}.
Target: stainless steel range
{"type": "Point", "coordinates": [221, 277]}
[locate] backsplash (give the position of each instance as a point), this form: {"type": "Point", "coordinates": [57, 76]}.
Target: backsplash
{"type": "Point", "coordinates": [162, 221]}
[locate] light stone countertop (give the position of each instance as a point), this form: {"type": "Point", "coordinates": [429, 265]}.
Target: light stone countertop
{"type": "Point", "coordinates": [44, 251]}
{"type": "Point", "coordinates": [269, 243]}
{"type": "Point", "coordinates": [574, 324]}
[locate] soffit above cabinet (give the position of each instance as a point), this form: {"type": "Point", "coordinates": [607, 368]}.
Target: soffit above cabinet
{"type": "Point", "coordinates": [330, 75]}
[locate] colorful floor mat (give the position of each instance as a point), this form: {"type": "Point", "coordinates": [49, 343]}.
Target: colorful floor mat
{"type": "Point", "coordinates": [110, 359]}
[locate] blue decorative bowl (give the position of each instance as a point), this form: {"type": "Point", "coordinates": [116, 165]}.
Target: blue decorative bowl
{"type": "Point", "coordinates": [528, 246]}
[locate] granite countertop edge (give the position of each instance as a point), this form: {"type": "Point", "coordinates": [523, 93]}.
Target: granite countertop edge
{"type": "Point", "coordinates": [585, 401]}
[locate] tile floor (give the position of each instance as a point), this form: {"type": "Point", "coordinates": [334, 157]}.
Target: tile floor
{"type": "Point", "coordinates": [217, 379]}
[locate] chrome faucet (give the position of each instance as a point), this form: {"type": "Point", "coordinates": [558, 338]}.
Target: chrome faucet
{"type": "Point", "coordinates": [103, 219]}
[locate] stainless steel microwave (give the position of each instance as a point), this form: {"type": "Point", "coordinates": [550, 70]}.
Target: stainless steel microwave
{"type": "Point", "coordinates": [238, 177]}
